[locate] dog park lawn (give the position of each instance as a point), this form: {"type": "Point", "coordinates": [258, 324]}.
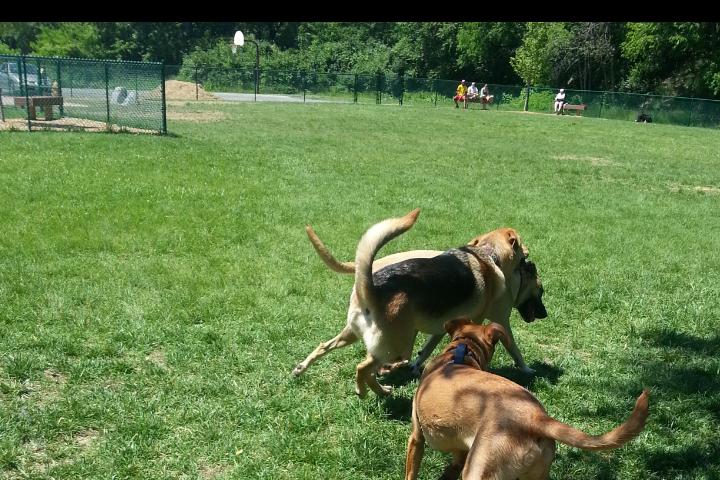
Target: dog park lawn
{"type": "Point", "coordinates": [156, 292]}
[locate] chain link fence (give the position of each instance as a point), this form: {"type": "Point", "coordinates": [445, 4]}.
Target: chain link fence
{"type": "Point", "coordinates": [238, 84]}
{"type": "Point", "coordinates": [41, 93]}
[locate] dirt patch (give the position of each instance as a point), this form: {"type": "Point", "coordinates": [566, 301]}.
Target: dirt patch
{"type": "Point", "coordinates": [594, 161]}
{"type": "Point", "coordinates": [209, 472]}
{"type": "Point", "coordinates": [677, 187]}
{"type": "Point", "coordinates": [55, 377]}
{"type": "Point", "coordinates": [177, 90]}
{"type": "Point", "coordinates": [85, 438]}
{"type": "Point", "coordinates": [710, 190]}
{"type": "Point", "coordinates": [198, 117]}
{"type": "Point", "coordinates": [157, 357]}
{"type": "Point", "coordinates": [67, 124]}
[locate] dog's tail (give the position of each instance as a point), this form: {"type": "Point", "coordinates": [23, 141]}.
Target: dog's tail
{"type": "Point", "coordinates": [373, 240]}
{"type": "Point", "coordinates": [327, 257]}
{"type": "Point", "coordinates": [551, 428]}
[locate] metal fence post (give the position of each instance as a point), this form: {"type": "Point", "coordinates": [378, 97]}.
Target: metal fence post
{"type": "Point", "coordinates": [435, 88]}
{"type": "Point", "coordinates": [197, 88]}
{"type": "Point", "coordinates": [59, 82]}
{"type": "Point", "coordinates": [602, 100]}
{"type": "Point", "coordinates": [527, 98]}
{"type": "Point", "coordinates": [304, 85]}
{"type": "Point", "coordinates": [257, 82]}
{"type": "Point", "coordinates": [162, 93]}
{"type": "Point", "coordinates": [690, 114]}
{"type": "Point", "coordinates": [2, 110]}
{"type": "Point", "coordinates": [27, 95]}
{"type": "Point", "coordinates": [355, 89]}
{"type": "Point", "coordinates": [107, 92]}
{"type": "Point", "coordinates": [402, 88]}
{"type": "Point", "coordinates": [378, 93]}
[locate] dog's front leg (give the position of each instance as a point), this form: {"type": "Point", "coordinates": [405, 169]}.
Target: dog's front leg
{"type": "Point", "coordinates": [425, 352]}
{"type": "Point", "coordinates": [514, 351]}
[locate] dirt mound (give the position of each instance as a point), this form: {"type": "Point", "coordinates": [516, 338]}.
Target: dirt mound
{"type": "Point", "coordinates": [177, 90]}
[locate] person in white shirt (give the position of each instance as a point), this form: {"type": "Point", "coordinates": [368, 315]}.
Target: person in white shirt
{"type": "Point", "coordinates": [485, 97]}
{"type": "Point", "coordinates": [559, 101]}
{"type": "Point", "coordinates": [472, 91]}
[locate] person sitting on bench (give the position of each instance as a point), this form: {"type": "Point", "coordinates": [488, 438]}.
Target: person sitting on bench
{"type": "Point", "coordinates": [485, 97]}
{"type": "Point", "coordinates": [559, 101]}
{"type": "Point", "coordinates": [473, 94]}
{"type": "Point", "coordinates": [460, 92]}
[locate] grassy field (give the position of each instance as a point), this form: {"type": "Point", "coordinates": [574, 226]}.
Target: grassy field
{"type": "Point", "coordinates": [156, 292]}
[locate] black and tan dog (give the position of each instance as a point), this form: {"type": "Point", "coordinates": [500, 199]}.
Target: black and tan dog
{"type": "Point", "coordinates": [493, 427]}
{"type": "Point", "coordinates": [387, 308]}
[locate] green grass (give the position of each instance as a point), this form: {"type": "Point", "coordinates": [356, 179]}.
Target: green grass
{"type": "Point", "coordinates": [156, 292]}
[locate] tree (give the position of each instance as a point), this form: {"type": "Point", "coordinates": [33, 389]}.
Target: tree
{"type": "Point", "coordinates": [6, 50]}
{"type": "Point", "coordinates": [68, 39]}
{"type": "Point", "coordinates": [680, 58]}
{"type": "Point", "coordinates": [543, 44]}
{"type": "Point", "coordinates": [484, 50]}
{"type": "Point", "coordinates": [592, 57]}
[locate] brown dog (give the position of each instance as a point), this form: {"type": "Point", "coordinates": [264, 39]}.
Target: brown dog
{"type": "Point", "coordinates": [388, 308]}
{"type": "Point", "coordinates": [494, 428]}
{"type": "Point", "coordinates": [523, 290]}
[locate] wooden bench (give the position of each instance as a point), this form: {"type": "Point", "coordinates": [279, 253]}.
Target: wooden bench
{"type": "Point", "coordinates": [45, 102]}
{"type": "Point", "coordinates": [577, 108]}
{"type": "Point", "coordinates": [481, 100]}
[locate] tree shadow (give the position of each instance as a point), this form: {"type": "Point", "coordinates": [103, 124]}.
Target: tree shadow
{"type": "Point", "coordinates": [550, 373]}
{"type": "Point", "coordinates": [691, 460]}
{"type": "Point", "coordinates": [682, 376]}
{"type": "Point", "coordinates": [666, 338]}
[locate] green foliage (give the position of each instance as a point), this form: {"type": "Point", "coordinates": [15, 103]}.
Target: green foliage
{"type": "Point", "coordinates": [543, 44]}
{"type": "Point", "coordinates": [680, 58]}
{"type": "Point", "coordinates": [5, 49]}
{"type": "Point", "coordinates": [485, 49]}
{"type": "Point", "coordinates": [69, 39]}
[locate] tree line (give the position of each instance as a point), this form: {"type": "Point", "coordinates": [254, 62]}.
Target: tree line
{"type": "Point", "coordinates": [667, 58]}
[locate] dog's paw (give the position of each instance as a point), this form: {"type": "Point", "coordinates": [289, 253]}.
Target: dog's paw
{"type": "Point", "coordinates": [386, 390]}
{"type": "Point", "coordinates": [297, 371]}
{"type": "Point", "coordinates": [360, 390]}
{"type": "Point", "coordinates": [527, 370]}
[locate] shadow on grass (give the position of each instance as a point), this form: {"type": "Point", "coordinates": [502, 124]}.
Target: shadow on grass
{"type": "Point", "coordinates": [397, 408]}
{"type": "Point", "coordinates": [679, 376]}
{"type": "Point", "coordinates": [542, 370]}
{"type": "Point", "coordinates": [671, 339]}
{"type": "Point", "coordinates": [690, 461]}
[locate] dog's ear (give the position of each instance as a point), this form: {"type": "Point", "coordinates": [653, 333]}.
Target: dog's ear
{"type": "Point", "coordinates": [452, 325]}
{"type": "Point", "coordinates": [496, 332]}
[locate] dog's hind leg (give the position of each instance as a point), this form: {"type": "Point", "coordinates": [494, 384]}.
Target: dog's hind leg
{"type": "Point", "coordinates": [343, 339]}
{"type": "Point", "coordinates": [365, 377]}
{"type": "Point", "coordinates": [415, 448]}
{"type": "Point", "coordinates": [425, 352]}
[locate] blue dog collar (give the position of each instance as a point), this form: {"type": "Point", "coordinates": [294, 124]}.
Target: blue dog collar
{"type": "Point", "coordinates": [460, 352]}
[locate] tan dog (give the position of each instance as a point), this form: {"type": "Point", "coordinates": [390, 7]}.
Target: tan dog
{"type": "Point", "coordinates": [494, 428]}
{"type": "Point", "coordinates": [523, 291]}
{"type": "Point", "coordinates": [420, 294]}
